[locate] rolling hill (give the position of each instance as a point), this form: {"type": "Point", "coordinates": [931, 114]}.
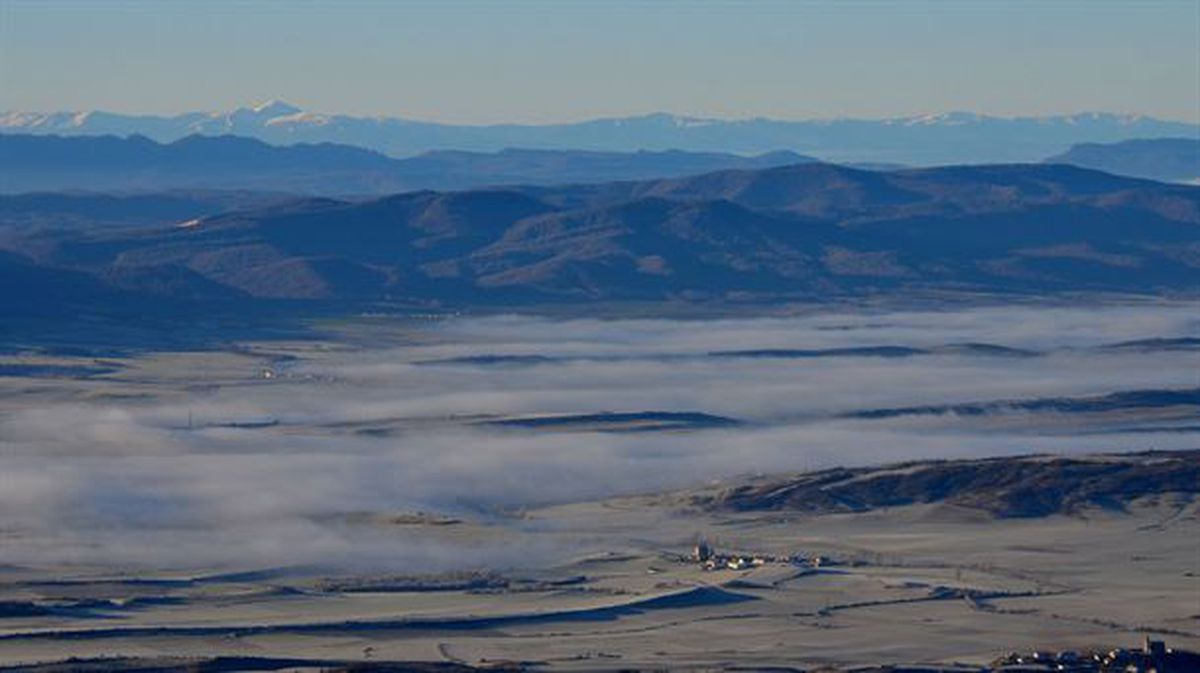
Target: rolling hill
{"type": "Point", "coordinates": [1007, 487]}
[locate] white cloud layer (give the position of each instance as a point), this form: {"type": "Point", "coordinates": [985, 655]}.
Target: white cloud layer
{"type": "Point", "coordinates": [125, 484]}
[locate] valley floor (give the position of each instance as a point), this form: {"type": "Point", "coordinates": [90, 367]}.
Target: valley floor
{"type": "Point", "coordinates": [911, 584]}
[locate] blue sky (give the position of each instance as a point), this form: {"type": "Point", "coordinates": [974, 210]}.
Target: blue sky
{"type": "Point", "coordinates": [540, 61]}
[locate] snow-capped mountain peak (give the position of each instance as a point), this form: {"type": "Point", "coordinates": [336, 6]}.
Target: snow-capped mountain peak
{"type": "Point", "coordinates": [275, 108]}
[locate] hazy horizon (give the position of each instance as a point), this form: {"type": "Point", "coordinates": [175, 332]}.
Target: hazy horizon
{"type": "Point", "coordinates": [537, 62]}
{"type": "Point", "coordinates": [257, 104]}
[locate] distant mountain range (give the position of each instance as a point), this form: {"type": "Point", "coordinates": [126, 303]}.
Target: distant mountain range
{"type": "Point", "coordinates": [110, 163]}
{"type": "Point", "coordinates": [1167, 159]}
{"type": "Point", "coordinates": [807, 232]}
{"type": "Point", "coordinates": [926, 140]}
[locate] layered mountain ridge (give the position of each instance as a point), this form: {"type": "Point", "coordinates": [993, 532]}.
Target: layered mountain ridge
{"type": "Point", "coordinates": [806, 232]}
{"type": "Point", "coordinates": [1166, 159]}
{"type": "Point", "coordinates": [137, 163]}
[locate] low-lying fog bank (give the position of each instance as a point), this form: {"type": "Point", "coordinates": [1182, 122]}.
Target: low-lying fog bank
{"type": "Point", "coordinates": [262, 467]}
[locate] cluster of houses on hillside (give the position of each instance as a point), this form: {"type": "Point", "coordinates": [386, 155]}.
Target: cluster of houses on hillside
{"type": "Point", "coordinates": [1153, 657]}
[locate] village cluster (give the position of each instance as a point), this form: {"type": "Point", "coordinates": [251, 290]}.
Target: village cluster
{"type": "Point", "coordinates": [708, 558]}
